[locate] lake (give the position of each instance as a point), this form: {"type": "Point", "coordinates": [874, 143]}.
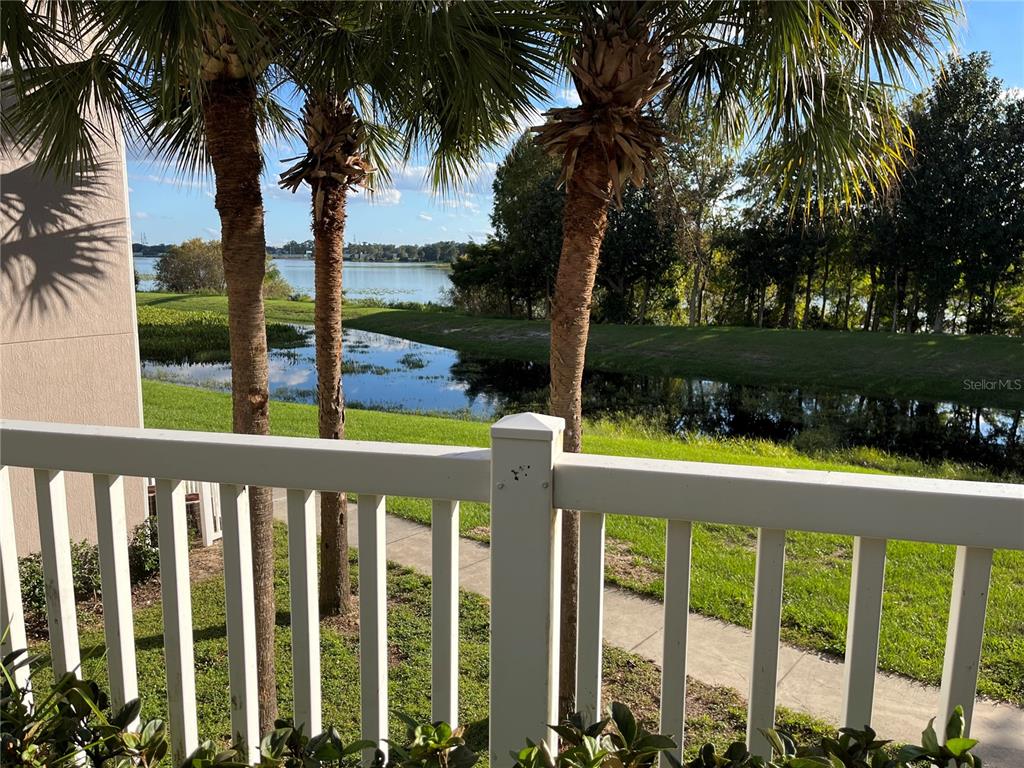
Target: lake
{"type": "Point", "coordinates": [387, 373]}
{"type": "Point", "coordinates": [388, 282]}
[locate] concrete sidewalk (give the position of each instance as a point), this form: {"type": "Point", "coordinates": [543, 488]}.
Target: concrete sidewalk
{"type": "Point", "coordinates": [720, 654]}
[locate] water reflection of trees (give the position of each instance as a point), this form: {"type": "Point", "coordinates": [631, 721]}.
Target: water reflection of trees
{"type": "Point", "coordinates": [809, 420]}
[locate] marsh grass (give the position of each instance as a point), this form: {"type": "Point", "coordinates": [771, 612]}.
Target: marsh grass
{"type": "Point", "coordinates": [199, 336]}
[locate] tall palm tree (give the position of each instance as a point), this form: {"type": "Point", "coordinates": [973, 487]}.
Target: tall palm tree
{"type": "Point", "coordinates": [192, 83]}
{"type": "Point", "coordinates": [382, 79]}
{"type": "Point", "coordinates": [813, 83]}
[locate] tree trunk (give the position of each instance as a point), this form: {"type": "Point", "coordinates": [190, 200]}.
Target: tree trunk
{"type": "Point", "coordinates": [695, 290]}
{"type": "Point", "coordinates": [824, 289]}
{"type": "Point", "coordinates": [869, 312]}
{"type": "Point", "coordinates": [583, 225]}
{"type": "Point", "coordinates": [896, 303]}
{"type": "Point", "coordinates": [328, 244]}
{"type": "Point", "coordinates": [807, 296]}
{"type": "Point", "coordinates": [938, 318]}
{"type": "Point", "coordinates": [234, 147]}
{"type": "Point", "coordinates": [846, 304]}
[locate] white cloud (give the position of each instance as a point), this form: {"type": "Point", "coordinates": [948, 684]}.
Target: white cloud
{"type": "Point", "coordinates": [444, 228]}
{"type": "Point", "coordinates": [212, 231]}
{"type": "Point", "coordinates": [1012, 94]}
{"type": "Point", "coordinates": [425, 217]}
{"type": "Point", "coordinates": [569, 97]}
{"type": "Point", "coordinates": [386, 197]}
{"type": "Point", "coordinates": [171, 178]}
{"type": "Point", "coordinates": [141, 215]}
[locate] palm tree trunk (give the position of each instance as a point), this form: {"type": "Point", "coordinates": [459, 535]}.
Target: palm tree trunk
{"type": "Point", "coordinates": [234, 148]}
{"type": "Point", "coordinates": [328, 243]}
{"type": "Point", "coordinates": [585, 220]}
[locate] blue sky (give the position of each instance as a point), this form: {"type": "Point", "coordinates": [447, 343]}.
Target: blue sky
{"type": "Point", "coordinates": [166, 208]}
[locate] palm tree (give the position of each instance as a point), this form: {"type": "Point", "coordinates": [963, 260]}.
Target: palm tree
{"type": "Point", "coordinates": [813, 83]}
{"type": "Point", "coordinates": [192, 83]}
{"type": "Point", "coordinates": [450, 77]}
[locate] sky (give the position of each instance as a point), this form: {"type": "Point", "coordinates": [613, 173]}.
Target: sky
{"type": "Point", "coordinates": [167, 208]}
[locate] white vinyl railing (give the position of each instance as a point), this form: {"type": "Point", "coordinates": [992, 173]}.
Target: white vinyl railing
{"type": "Point", "coordinates": [527, 481]}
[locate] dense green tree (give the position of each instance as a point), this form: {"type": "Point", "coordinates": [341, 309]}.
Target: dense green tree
{"type": "Point", "coordinates": [952, 210]}
{"type": "Point", "coordinates": [692, 177]}
{"type": "Point", "coordinates": [527, 221]}
{"type": "Point", "coordinates": [192, 267]}
{"type": "Point", "coordinates": [638, 277]}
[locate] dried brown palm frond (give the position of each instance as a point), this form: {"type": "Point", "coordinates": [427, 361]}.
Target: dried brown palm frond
{"type": "Point", "coordinates": [335, 138]}
{"type": "Point", "coordinates": [618, 70]}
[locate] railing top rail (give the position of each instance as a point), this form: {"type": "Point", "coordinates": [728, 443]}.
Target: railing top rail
{"type": "Point", "coordinates": [396, 469]}
{"type": "Point", "coordinates": [989, 515]}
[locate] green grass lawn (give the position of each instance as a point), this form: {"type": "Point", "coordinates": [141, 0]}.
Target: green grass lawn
{"type": "Point", "coordinates": [715, 714]}
{"type": "Point", "coordinates": [921, 366]}
{"type": "Point", "coordinates": [918, 576]}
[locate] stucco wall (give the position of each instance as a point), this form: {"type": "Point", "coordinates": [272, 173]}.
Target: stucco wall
{"type": "Point", "coordinates": [68, 338]}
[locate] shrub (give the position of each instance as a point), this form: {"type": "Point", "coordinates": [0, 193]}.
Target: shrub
{"type": "Point", "coordinates": [73, 718]}
{"type": "Point", "coordinates": [143, 561]}
{"type": "Point", "coordinates": [274, 284]}
{"type": "Point", "coordinates": [143, 551]}
{"type": "Point", "coordinates": [195, 266]}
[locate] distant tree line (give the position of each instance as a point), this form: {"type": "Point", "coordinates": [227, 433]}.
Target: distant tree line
{"type": "Point", "coordinates": [445, 251]}
{"type": "Point", "coordinates": [703, 243]}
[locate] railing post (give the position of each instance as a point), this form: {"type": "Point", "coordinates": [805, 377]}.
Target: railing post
{"type": "Point", "coordinates": [525, 582]}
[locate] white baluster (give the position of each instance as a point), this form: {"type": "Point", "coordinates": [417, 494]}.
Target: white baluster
{"type": "Point", "coordinates": [55, 547]}
{"type": "Point", "coordinates": [967, 606]}
{"type": "Point", "coordinates": [591, 616]}
{"type": "Point", "coordinates": [373, 637]}
{"type": "Point", "coordinates": [305, 610]}
{"type": "Point", "coordinates": [867, 582]}
{"type": "Point", "coordinates": [12, 614]}
{"type": "Point", "coordinates": [678, 536]}
{"type": "Point", "coordinates": [771, 557]}
{"type": "Point", "coordinates": [176, 594]}
{"type": "Point", "coordinates": [115, 575]}
{"type": "Point", "coordinates": [444, 612]}
{"type": "Point", "coordinates": [241, 619]}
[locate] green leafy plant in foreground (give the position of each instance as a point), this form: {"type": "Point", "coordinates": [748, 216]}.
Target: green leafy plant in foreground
{"type": "Point", "coordinates": [287, 747]}
{"type": "Point", "coordinates": [619, 742]}
{"type": "Point", "coordinates": [72, 725]}
{"type": "Point", "coordinates": [427, 745]}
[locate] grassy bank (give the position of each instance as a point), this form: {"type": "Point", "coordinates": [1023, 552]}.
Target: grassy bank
{"type": "Point", "coordinates": [921, 366]}
{"type": "Point", "coordinates": [715, 714]}
{"type": "Point", "coordinates": [918, 576]}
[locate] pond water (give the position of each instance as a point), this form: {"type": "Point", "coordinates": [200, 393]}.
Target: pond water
{"type": "Point", "coordinates": [389, 282]}
{"type": "Point", "coordinates": [388, 373]}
